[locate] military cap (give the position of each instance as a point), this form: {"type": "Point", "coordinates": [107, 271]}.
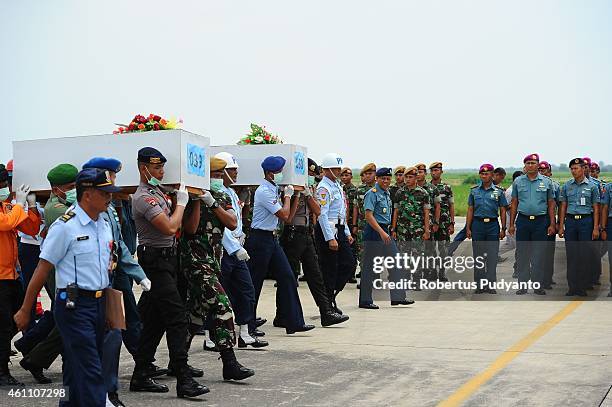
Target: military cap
{"type": "Point", "coordinates": [9, 167]}
{"type": "Point", "coordinates": [345, 170]}
{"type": "Point", "coordinates": [4, 175]}
{"type": "Point", "coordinates": [544, 165]}
{"type": "Point", "coordinates": [410, 171]}
{"type": "Point", "coordinates": [62, 174]}
{"type": "Point", "coordinates": [368, 167]}
{"type": "Point", "coordinates": [312, 165]}
{"type": "Point", "coordinates": [436, 164]}
{"type": "Point", "coordinates": [96, 178]}
{"type": "Point", "coordinates": [111, 164]}
{"type": "Point", "coordinates": [587, 160]}
{"type": "Point", "coordinates": [400, 168]}
{"type": "Point", "coordinates": [594, 166]}
{"type": "Point", "coordinates": [273, 164]}
{"type": "Point", "coordinates": [150, 155]}
{"type": "Point", "coordinates": [485, 167]}
{"type": "Point", "coordinates": [217, 164]}
{"type": "Point", "coordinates": [383, 172]}
{"type": "Point", "coordinates": [531, 157]}
{"type": "Point", "coordinates": [420, 166]}
{"type": "Point", "coordinates": [579, 161]}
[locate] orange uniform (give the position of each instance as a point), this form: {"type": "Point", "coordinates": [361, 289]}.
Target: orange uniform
{"type": "Point", "coordinates": [14, 218]}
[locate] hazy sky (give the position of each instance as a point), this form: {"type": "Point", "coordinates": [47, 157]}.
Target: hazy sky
{"type": "Point", "coordinates": [394, 82]}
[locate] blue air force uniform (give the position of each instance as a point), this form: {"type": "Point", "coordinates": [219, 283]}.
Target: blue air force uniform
{"type": "Point", "coordinates": [580, 198]}
{"type": "Point", "coordinates": [79, 248]}
{"type": "Point", "coordinates": [378, 201]}
{"type": "Point", "coordinates": [267, 254]}
{"type": "Point", "coordinates": [486, 203]}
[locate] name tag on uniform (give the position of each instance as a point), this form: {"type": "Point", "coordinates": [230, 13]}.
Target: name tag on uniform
{"type": "Point", "coordinates": [81, 238]}
{"type": "Point", "coordinates": [582, 200]}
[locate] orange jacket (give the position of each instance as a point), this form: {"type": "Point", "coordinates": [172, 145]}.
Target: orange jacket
{"type": "Point", "coordinates": [13, 218]}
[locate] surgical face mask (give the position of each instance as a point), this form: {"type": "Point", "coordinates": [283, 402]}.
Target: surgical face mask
{"type": "Point", "coordinates": [216, 184]}
{"type": "Point", "coordinates": [4, 194]}
{"type": "Point", "coordinates": [278, 178]}
{"type": "Point", "coordinates": [311, 180]}
{"type": "Point", "coordinates": [152, 181]}
{"type": "Point", "coordinates": [71, 195]}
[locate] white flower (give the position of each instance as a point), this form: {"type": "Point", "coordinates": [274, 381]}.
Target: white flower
{"type": "Point", "coordinates": [258, 139]}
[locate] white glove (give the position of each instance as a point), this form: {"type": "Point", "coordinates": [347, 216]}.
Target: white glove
{"type": "Point", "coordinates": [289, 191]}
{"type": "Point", "coordinates": [182, 196]}
{"type": "Point", "coordinates": [145, 284]}
{"type": "Point", "coordinates": [31, 198]}
{"type": "Point", "coordinates": [242, 254]}
{"type": "Point", "coordinates": [307, 193]}
{"type": "Point", "coordinates": [207, 198]}
{"type": "Point", "coordinates": [21, 194]}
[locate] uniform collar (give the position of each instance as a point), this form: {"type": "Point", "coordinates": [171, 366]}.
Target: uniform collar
{"type": "Point", "coordinates": [481, 186]}
{"type": "Point", "coordinates": [269, 184]}
{"type": "Point", "coordinates": [584, 181]}
{"type": "Point", "coordinates": [82, 216]}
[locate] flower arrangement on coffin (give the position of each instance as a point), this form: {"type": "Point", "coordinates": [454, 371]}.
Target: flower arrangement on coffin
{"type": "Point", "coordinates": [151, 123]}
{"type": "Point", "coordinates": [259, 135]}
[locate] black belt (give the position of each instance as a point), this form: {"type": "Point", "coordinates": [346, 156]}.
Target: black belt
{"type": "Point", "coordinates": [86, 293]}
{"type": "Point", "coordinates": [486, 220]}
{"type": "Point", "coordinates": [531, 217]}
{"type": "Point", "coordinates": [298, 228]}
{"type": "Point", "coordinates": [159, 251]}
{"type": "Point", "coordinates": [578, 216]}
{"type": "Point", "coordinates": [267, 232]}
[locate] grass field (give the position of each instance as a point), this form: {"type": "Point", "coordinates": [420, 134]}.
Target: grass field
{"type": "Point", "coordinates": [461, 189]}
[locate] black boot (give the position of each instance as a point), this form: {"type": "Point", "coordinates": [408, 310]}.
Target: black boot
{"type": "Point", "coordinates": [187, 387]}
{"type": "Point", "coordinates": [193, 371]}
{"type": "Point", "coordinates": [36, 372]}
{"type": "Point", "coordinates": [332, 318]}
{"type": "Point", "coordinates": [232, 369]}
{"type": "Point", "coordinates": [142, 381]}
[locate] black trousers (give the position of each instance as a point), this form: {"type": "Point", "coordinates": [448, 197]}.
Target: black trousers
{"type": "Point", "coordinates": [161, 310]}
{"type": "Point", "coordinates": [299, 247]}
{"type": "Point", "coordinates": [338, 266]}
{"type": "Point", "coordinates": [11, 297]}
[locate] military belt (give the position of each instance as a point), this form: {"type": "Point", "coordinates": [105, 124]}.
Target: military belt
{"type": "Point", "coordinates": [485, 220]}
{"type": "Point", "coordinates": [159, 251]}
{"type": "Point", "coordinates": [531, 217]}
{"type": "Point", "coordinates": [86, 293]}
{"type": "Point", "coordinates": [578, 216]}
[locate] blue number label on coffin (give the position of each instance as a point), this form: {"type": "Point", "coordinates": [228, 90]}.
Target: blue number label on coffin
{"type": "Point", "coordinates": [196, 160]}
{"type": "Point", "coordinates": [300, 163]}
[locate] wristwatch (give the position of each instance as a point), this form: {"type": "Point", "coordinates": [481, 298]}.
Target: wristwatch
{"type": "Point", "coordinates": [215, 205]}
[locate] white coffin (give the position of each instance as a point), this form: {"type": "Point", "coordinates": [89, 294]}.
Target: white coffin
{"type": "Point", "coordinates": [250, 158]}
{"type": "Point", "coordinates": [188, 156]}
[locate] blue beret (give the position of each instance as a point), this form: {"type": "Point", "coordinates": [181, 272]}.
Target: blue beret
{"type": "Point", "coordinates": [384, 172]}
{"type": "Point", "coordinates": [95, 178]}
{"type": "Point", "coordinates": [149, 155]}
{"type": "Point", "coordinates": [273, 164]}
{"type": "Point", "coordinates": [110, 164]}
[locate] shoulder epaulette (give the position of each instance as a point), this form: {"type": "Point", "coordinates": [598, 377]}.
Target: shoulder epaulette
{"type": "Point", "coordinates": [474, 186]}
{"type": "Point", "coordinates": [67, 216]}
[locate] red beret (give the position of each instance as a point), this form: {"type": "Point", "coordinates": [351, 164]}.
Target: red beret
{"type": "Point", "coordinates": [544, 164]}
{"type": "Point", "coordinates": [594, 165]}
{"type": "Point", "coordinates": [531, 157]}
{"type": "Point", "coordinates": [587, 160]}
{"type": "Point", "coordinates": [486, 167]}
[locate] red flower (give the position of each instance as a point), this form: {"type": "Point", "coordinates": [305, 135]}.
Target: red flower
{"type": "Point", "coordinates": [121, 129]}
{"type": "Point", "coordinates": [132, 126]}
{"type": "Point", "coordinates": [157, 118]}
{"type": "Point", "coordinates": [141, 126]}
{"type": "Point", "coordinates": [267, 138]}
{"type": "Point", "coordinates": [247, 141]}
{"type": "Point", "coordinates": [151, 116]}
{"type": "Point", "coordinates": [115, 132]}
{"type": "Point", "coordinates": [156, 126]}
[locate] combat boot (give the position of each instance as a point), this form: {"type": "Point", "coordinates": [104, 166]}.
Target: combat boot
{"type": "Point", "coordinates": [6, 379]}
{"type": "Point", "coordinates": [186, 386]}
{"type": "Point", "coordinates": [232, 369]}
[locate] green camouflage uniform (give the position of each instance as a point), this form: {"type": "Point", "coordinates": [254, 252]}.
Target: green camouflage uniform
{"type": "Point", "coordinates": [410, 226]}
{"type": "Point", "coordinates": [200, 256]}
{"type": "Point", "coordinates": [441, 238]}
{"type": "Point", "coordinates": [361, 222]}
{"type": "Point", "coordinates": [350, 191]}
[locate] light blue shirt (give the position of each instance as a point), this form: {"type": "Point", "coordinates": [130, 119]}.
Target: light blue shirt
{"type": "Point", "coordinates": [230, 241]}
{"type": "Point", "coordinates": [126, 263]}
{"type": "Point", "coordinates": [607, 198]}
{"type": "Point", "coordinates": [79, 246]}
{"type": "Point", "coordinates": [580, 197]}
{"type": "Point", "coordinates": [265, 205]}
{"type": "Point", "coordinates": [486, 202]}
{"type": "Point", "coordinates": [598, 184]}
{"type": "Point", "coordinates": [533, 196]}
{"type": "Point", "coordinates": [379, 202]}
{"type": "Point", "coordinates": [333, 208]}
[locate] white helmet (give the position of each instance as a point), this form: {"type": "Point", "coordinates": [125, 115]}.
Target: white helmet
{"type": "Point", "coordinates": [332, 160]}
{"type": "Point", "coordinates": [228, 158]}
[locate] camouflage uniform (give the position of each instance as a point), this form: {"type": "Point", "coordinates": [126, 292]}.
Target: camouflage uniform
{"type": "Point", "coordinates": [350, 191]}
{"type": "Point", "coordinates": [361, 222]}
{"type": "Point", "coordinates": [430, 249]}
{"type": "Point", "coordinates": [441, 238]}
{"type": "Point", "coordinates": [410, 224]}
{"type": "Point", "coordinates": [200, 256]}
